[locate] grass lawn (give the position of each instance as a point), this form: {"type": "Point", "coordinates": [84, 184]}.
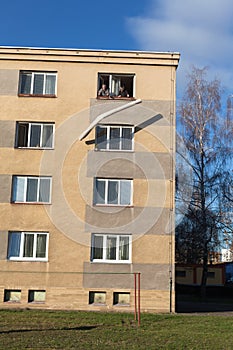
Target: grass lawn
{"type": "Point", "coordinates": [32, 329]}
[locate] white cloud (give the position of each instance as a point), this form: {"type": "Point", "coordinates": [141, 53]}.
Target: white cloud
{"type": "Point", "coordinates": [201, 30]}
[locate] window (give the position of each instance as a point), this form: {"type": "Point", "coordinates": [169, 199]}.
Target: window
{"type": "Point", "coordinates": [97, 298]}
{"type": "Point", "coordinates": [31, 189]}
{"type": "Point", "coordinates": [37, 83]}
{"type": "Point", "coordinates": [121, 299]}
{"type": "Point", "coordinates": [113, 83]}
{"type": "Point", "coordinates": [114, 138]}
{"type": "Point", "coordinates": [180, 273]}
{"type": "Point", "coordinates": [28, 246]}
{"type": "Point", "coordinates": [210, 274]}
{"type": "Point", "coordinates": [111, 248]}
{"type": "Point", "coordinates": [31, 135]}
{"type": "Point", "coordinates": [36, 296]}
{"type": "Point", "coordinates": [13, 295]}
{"type": "Point", "coordinates": [113, 192]}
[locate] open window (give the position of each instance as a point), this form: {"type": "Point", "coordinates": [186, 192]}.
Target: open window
{"type": "Point", "coordinates": [113, 83]}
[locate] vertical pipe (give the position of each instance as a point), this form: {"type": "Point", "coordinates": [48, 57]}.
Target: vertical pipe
{"type": "Point", "coordinates": [135, 296]}
{"type": "Point", "coordinates": [139, 294]}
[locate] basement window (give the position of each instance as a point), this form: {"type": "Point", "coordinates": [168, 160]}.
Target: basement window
{"type": "Point", "coordinates": [36, 296]}
{"type": "Point", "coordinates": [12, 295]}
{"type": "Point", "coordinates": [98, 298]}
{"type": "Point", "coordinates": [121, 299]}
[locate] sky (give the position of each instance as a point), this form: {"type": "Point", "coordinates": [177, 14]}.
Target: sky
{"type": "Point", "coordinates": [201, 30]}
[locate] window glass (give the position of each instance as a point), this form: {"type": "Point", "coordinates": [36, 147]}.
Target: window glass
{"type": "Point", "coordinates": [125, 192]}
{"type": "Point", "coordinates": [44, 192]}
{"type": "Point", "coordinates": [18, 189]}
{"type": "Point", "coordinates": [100, 192]}
{"type": "Point", "coordinates": [35, 135]}
{"type": "Point", "coordinates": [22, 135]}
{"type": "Point", "coordinates": [111, 248]}
{"type": "Point", "coordinates": [41, 246]}
{"type": "Point", "coordinates": [114, 142]}
{"type": "Point", "coordinates": [14, 244]}
{"type": "Point", "coordinates": [124, 248]}
{"type": "Point", "coordinates": [28, 245]}
{"type": "Point", "coordinates": [50, 84]}
{"type": "Point", "coordinates": [101, 137]}
{"type": "Point", "coordinates": [25, 86]}
{"type": "Point", "coordinates": [114, 138]}
{"type": "Point", "coordinates": [126, 140]}
{"type": "Point", "coordinates": [113, 190]}
{"type": "Point", "coordinates": [47, 136]}
{"type": "Point", "coordinates": [97, 252]}
{"type": "Point", "coordinates": [32, 185]}
{"type": "Point", "coordinates": [38, 84]}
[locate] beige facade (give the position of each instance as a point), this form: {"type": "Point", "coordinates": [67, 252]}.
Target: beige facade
{"type": "Point", "coordinates": [87, 181]}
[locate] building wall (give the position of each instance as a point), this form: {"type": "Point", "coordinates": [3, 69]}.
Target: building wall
{"type": "Point", "coordinates": [69, 276]}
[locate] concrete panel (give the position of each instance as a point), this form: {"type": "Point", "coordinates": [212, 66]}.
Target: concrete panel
{"type": "Point", "coordinates": [138, 165]}
{"type": "Point", "coordinates": [3, 244]}
{"type": "Point", "coordinates": [5, 188]}
{"type": "Point", "coordinates": [9, 82]}
{"type": "Point", "coordinates": [107, 276]}
{"type": "Point", "coordinates": [153, 276]}
{"type": "Point", "coordinates": [148, 112]}
{"type": "Point", "coordinates": [137, 221]}
{"type": "Point", "coordinates": [7, 133]}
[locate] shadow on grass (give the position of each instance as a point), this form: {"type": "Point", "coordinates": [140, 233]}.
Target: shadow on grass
{"type": "Point", "coordinates": [81, 328]}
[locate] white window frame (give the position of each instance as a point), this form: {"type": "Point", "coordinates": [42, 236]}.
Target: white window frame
{"type": "Point", "coordinates": [41, 135]}
{"type": "Point", "coordinates": [22, 239]}
{"type": "Point", "coordinates": [108, 140]}
{"type": "Point", "coordinates": [105, 260]}
{"type": "Point", "coordinates": [25, 184]}
{"type": "Point", "coordinates": [33, 73]}
{"type": "Point", "coordinates": [107, 181]}
{"type": "Point", "coordinates": [117, 78]}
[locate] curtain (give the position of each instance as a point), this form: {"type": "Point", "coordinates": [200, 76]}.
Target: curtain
{"type": "Point", "coordinates": [111, 248]}
{"type": "Point", "coordinates": [47, 136]}
{"type": "Point", "coordinates": [28, 245]}
{"type": "Point", "coordinates": [50, 84]}
{"type": "Point", "coordinates": [38, 84]}
{"type": "Point", "coordinates": [124, 248]}
{"type": "Point", "coordinates": [41, 240]}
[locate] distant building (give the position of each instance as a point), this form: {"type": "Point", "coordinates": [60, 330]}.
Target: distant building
{"type": "Point", "coordinates": [87, 180]}
{"type": "Point", "coordinates": [227, 255]}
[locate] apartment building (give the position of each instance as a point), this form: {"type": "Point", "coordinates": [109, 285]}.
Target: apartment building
{"type": "Point", "coordinates": [87, 179]}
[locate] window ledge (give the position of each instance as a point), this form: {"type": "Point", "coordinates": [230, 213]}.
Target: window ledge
{"type": "Point", "coordinates": [27, 259]}
{"type": "Point", "coordinates": [115, 98]}
{"type": "Point", "coordinates": [34, 148]}
{"type": "Point", "coordinates": [114, 150]}
{"type": "Point", "coordinates": [34, 203]}
{"type": "Point", "coordinates": [37, 95]}
{"type": "Point", "coordinates": [113, 205]}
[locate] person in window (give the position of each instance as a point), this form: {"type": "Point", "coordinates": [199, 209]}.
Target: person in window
{"type": "Point", "coordinates": [103, 91]}
{"type": "Point", "coordinates": [123, 92]}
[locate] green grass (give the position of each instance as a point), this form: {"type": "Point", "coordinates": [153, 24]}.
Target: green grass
{"type": "Point", "coordinates": [32, 329]}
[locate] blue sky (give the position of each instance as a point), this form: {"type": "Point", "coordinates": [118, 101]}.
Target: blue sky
{"type": "Point", "coordinates": [201, 30]}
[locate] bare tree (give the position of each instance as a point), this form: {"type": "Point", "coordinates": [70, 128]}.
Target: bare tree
{"type": "Point", "coordinates": [203, 152]}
